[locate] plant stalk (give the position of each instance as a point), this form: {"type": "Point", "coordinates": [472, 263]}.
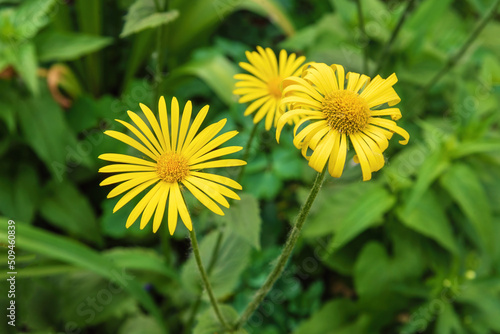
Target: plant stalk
{"type": "Point", "coordinates": [395, 32]}
{"type": "Point", "coordinates": [452, 61]}
{"type": "Point", "coordinates": [285, 254]}
{"type": "Point", "coordinates": [364, 36]}
{"type": "Point", "coordinates": [204, 277]}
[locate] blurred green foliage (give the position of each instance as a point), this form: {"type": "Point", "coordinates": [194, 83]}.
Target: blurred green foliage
{"type": "Point", "coordinates": [414, 250]}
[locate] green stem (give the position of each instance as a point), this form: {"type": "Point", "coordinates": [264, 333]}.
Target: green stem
{"type": "Point", "coordinates": [210, 267]}
{"type": "Point", "coordinates": [285, 254]}
{"type": "Point", "coordinates": [247, 152]}
{"type": "Point", "coordinates": [364, 36]}
{"type": "Point", "coordinates": [452, 61]}
{"type": "Point", "coordinates": [204, 277]}
{"type": "Point", "coordinates": [395, 32]}
{"type": "Point", "coordinates": [159, 63]}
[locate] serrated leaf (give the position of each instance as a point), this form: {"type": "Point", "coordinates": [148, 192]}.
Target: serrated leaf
{"type": "Point", "coordinates": [64, 45]}
{"type": "Point", "coordinates": [65, 207]}
{"type": "Point", "coordinates": [428, 218]}
{"type": "Point", "coordinates": [208, 323]}
{"type": "Point", "coordinates": [144, 15]}
{"type": "Point", "coordinates": [243, 219]}
{"type": "Point", "coordinates": [464, 187]}
{"type": "Point", "coordinates": [232, 259]}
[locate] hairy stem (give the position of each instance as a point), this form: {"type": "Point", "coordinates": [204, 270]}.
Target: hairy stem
{"type": "Point", "coordinates": [285, 254]}
{"type": "Point", "coordinates": [204, 277]}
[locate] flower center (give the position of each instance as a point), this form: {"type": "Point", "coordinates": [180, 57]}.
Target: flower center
{"type": "Point", "coordinates": [345, 111]}
{"type": "Point", "coordinates": [274, 87]}
{"type": "Point", "coordinates": [172, 167]}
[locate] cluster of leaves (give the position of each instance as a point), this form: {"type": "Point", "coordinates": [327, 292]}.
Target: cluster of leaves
{"type": "Point", "coordinates": [414, 250]}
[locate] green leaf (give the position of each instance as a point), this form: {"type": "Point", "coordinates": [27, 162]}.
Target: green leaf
{"type": "Point", "coordinates": [32, 15]}
{"type": "Point", "coordinates": [464, 187]}
{"type": "Point", "coordinates": [347, 211]}
{"type": "Point", "coordinates": [140, 324]}
{"type": "Point", "coordinates": [20, 193]}
{"type": "Point", "coordinates": [23, 59]}
{"type": "Point", "coordinates": [144, 15]}
{"type": "Point", "coordinates": [46, 131]}
{"type": "Point", "coordinates": [435, 164]}
{"type": "Point", "coordinates": [64, 45]}
{"type": "Point", "coordinates": [142, 259]}
{"type": "Point", "coordinates": [214, 69]}
{"type": "Point", "coordinates": [333, 315]}
{"type": "Point", "coordinates": [428, 218]}
{"type": "Point", "coordinates": [448, 321]}
{"type": "Point", "coordinates": [483, 146]}
{"type": "Point", "coordinates": [67, 250]}
{"type": "Point", "coordinates": [209, 324]}
{"type": "Point", "coordinates": [264, 185]}
{"type": "Point", "coordinates": [8, 115]}
{"type": "Point", "coordinates": [65, 207]}
{"type": "Point", "coordinates": [243, 219]}
{"type": "Point", "coordinates": [232, 259]}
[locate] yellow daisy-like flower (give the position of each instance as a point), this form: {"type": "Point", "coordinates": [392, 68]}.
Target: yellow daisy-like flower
{"type": "Point", "coordinates": [263, 84]}
{"type": "Point", "coordinates": [176, 153]}
{"type": "Point", "coordinates": [335, 110]}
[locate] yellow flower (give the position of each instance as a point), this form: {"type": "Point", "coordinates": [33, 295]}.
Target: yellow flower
{"type": "Point", "coordinates": [335, 110]}
{"type": "Point", "coordinates": [175, 156]}
{"type": "Point", "coordinates": [263, 84]}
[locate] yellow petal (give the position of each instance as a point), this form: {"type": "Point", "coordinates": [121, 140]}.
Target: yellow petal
{"type": "Point", "coordinates": [322, 153]}
{"type": "Point", "coordinates": [124, 177]}
{"type": "Point", "coordinates": [125, 186]}
{"type": "Point", "coordinates": [131, 142]}
{"type": "Point", "coordinates": [151, 206]}
{"type": "Point", "coordinates": [154, 124]}
{"type": "Point", "coordinates": [174, 111]}
{"type": "Point", "coordinates": [203, 138]}
{"type": "Point", "coordinates": [145, 130]}
{"type": "Point", "coordinates": [125, 168]}
{"type": "Point", "coordinates": [216, 153]}
{"type": "Point", "coordinates": [139, 135]}
{"type": "Point", "coordinates": [204, 199]}
{"type": "Point", "coordinates": [162, 203]}
{"type": "Point", "coordinates": [139, 208]}
{"type": "Point", "coordinates": [391, 125]}
{"type": "Point", "coordinates": [219, 163]}
{"type": "Point", "coordinates": [172, 211]}
{"type": "Point", "coordinates": [195, 126]}
{"type": "Point", "coordinates": [204, 186]}
{"type": "Point", "coordinates": [363, 160]}
{"type": "Point", "coordinates": [213, 144]}
{"type": "Point", "coordinates": [162, 108]}
{"type": "Point", "coordinates": [125, 159]}
{"type": "Point", "coordinates": [218, 178]}
{"type": "Point", "coordinates": [186, 118]}
{"type": "Point", "coordinates": [131, 194]}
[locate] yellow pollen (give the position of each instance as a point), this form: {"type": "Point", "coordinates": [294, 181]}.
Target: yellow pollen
{"type": "Point", "coordinates": [274, 87]}
{"type": "Point", "coordinates": [345, 111]}
{"type": "Point", "coordinates": [172, 167]}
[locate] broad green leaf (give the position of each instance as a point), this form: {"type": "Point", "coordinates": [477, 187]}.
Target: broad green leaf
{"type": "Point", "coordinates": [287, 163]}
{"type": "Point", "coordinates": [90, 299]}
{"type": "Point", "coordinates": [367, 211]}
{"type": "Point", "coordinates": [214, 69]}
{"type": "Point", "coordinates": [67, 250]}
{"type": "Point", "coordinates": [347, 211]}
{"type": "Point", "coordinates": [434, 165]}
{"type": "Point", "coordinates": [46, 131]}
{"type": "Point", "coordinates": [55, 45]}
{"type": "Point", "coordinates": [263, 185]}
{"type": "Point", "coordinates": [143, 259]}
{"type": "Point", "coordinates": [32, 15]}
{"type": "Point", "coordinates": [65, 207]}
{"type": "Point", "coordinates": [208, 323]}
{"type": "Point", "coordinates": [428, 218]}
{"type": "Point", "coordinates": [141, 324]}
{"type": "Point", "coordinates": [23, 58]}
{"type": "Point", "coordinates": [232, 259]}
{"type": "Point", "coordinates": [273, 10]}
{"type": "Point", "coordinates": [465, 188]}
{"type": "Point", "coordinates": [8, 114]}
{"type": "Point", "coordinates": [20, 193]}
{"type": "Point", "coordinates": [483, 146]}
{"type": "Point", "coordinates": [448, 321]}
{"type": "Point", "coordinates": [243, 218]}
{"type": "Point", "coordinates": [144, 15]}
